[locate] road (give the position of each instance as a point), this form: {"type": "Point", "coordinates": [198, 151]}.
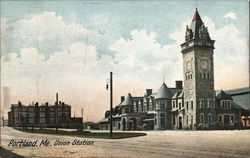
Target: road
{"type": "Point", "coordinates": [158, 144]}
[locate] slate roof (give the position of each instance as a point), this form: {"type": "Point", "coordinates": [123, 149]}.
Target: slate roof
{"type": "Point", "coordinates": [163, 93]}
{"type": "Point", "coordinates": [222, 95]}
{"type": "Point", "coordinates": [236, 106]}
{"type": "Point", "coordinates": [128, 100]}
{"type": "Point", "coordinates": [178, 94]}
{"type": "Point", "coordinates": [241, 96]}
{"type": "Point", "coordinates": [181, 94]}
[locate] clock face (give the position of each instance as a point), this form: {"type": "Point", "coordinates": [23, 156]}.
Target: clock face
{"type": "Point", "coordinates": [204, 64]}
{"type": "Point", "coordinates": [188, 65]}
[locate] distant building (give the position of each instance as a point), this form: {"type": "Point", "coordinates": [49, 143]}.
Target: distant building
{"type": "Point", "coordinates": [42, 115]}
{"type": "Point", "coordinates": [192, 105]}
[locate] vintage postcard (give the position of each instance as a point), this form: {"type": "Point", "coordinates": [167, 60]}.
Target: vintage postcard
{"type": "Point", "coordinates": [125, 78]}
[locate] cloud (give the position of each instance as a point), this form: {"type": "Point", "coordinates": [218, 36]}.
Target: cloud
{"type": "Point", "coordinates": [47, 31]}
{"type": "Point", "coordinates": [230, 15]}
{"type": "Point", "coordinates": [79, 72]}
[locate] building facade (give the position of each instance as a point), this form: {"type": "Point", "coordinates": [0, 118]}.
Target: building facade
{"type": "Point", "coordinates": [45, 115]}
{"type": "Point", "coordinates": [191, 104]}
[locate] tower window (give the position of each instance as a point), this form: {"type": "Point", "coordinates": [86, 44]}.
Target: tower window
{"type": "Point", "coordinates": [192, 102]}
{"type": "Point", "coordinates": [204, 75]}
{"type": "Point", "coordinates": [187, 105]}
{"type": "Point", "coordinates": [201, 104]}
{"type": "Point", "coordinates": [187, 120]}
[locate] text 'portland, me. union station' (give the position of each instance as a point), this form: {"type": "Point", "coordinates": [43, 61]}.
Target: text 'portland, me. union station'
{"type": "Point", "coordinates": [191, 104]}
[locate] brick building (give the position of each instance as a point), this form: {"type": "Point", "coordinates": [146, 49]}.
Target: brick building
{"type": "Point", "coordinates": [192, 103]}
{"type": "Point", "coordinates": [43, 115]}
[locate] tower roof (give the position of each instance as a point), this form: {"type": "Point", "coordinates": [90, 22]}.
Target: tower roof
{"type": "Point", "coordinates": [128, 100]}
{"type": "Point", "coordinates": [163, 93]}
{"type": "Point", "coordinates": [196, 15]}
{"type": "Point", "coordinates": [196, 24]}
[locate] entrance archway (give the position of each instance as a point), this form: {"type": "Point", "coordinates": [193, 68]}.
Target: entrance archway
{"type": "Point", "coordinates": [180, 122]}
{"type": "Point", "coordinates": [133, 123]}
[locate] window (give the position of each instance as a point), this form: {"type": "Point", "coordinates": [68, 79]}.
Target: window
{"type": "Point", "coordinates": [42, 109]}
{"type": "Point", "coordinates": [229, 104]}
{"type": "Point", "coordinates": [209, 103]}
{"type": "Point", "coordinates": [187, 120]}
{"type": "Point", "coordinates": [155, 121]}
{"type": "Point", "coordinates": [42, 120]}
{"type": "Point", "coordinates": [204, 76]}
{"type": "Point", "coordinates": [162, 104]}
{"type": "Point", "coordinates": [209, 118]}
{"type": "Point", "coordinates": [41, 114]}
{"type": "Point", "coordinates": [51, 114]}
{"type": "Point", "coordinates": [162, 118]}
{"type": "Point", "coordinates": [31, 120]}
{"type": "Point", "coordinates": [191, 119]}
{"type": "Point", "coordinates": [179, 106]}
{"type": "Point", "coordinates": [187, 105]}
{"type": "Point", "coordinates": [126, 110]}
{"type": "Point", "coordinates": [202, 118]}
{"type": "Point", "coordinates": [201, 104]}
{"type": "Point", "coordinates": [200, 76]}
{"type": "Point", "coordinates": [31, 114]}
{"type": "Point", "coordinates": [30, 109]}
{"type": "Point", "coordinates": [220, 118]}
{"type": "Point", "coordinates": [174, 104]}
{"type": "Point", "coordinates": [192, 104]}
{"type": "Point", "coordinates": [52, 120]}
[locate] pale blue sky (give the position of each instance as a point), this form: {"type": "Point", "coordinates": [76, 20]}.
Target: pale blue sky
{"type": "Point", "coordinates": [71, 46]}
{"type": "Point", "coordinates": [118, 18]}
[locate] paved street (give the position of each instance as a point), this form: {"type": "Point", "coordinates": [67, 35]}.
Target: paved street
{"type": "Point", "coordinates": [159, 144]}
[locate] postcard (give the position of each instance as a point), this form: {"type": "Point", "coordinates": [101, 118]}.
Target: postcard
{"type": "Point", "coordinates": [124, 78]}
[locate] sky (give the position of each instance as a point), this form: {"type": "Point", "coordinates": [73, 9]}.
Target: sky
{"type": "Point", "coordinates": [70, 47]}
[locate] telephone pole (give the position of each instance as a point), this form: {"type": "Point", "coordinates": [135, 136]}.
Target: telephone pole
{"type": "Point", "coordinates": [111, 104]}
{"type": "Point", "coordinates": [56, 113]}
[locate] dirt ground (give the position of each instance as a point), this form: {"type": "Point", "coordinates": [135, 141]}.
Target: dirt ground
{"type": "Point", "coordinates": [157, 144]}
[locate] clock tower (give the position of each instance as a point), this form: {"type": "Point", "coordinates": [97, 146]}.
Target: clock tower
{"type": "Point", "coordinates": [198, 71]}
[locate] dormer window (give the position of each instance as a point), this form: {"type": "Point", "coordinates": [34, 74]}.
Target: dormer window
{"type": "Point", "coordinates": [226, 104]}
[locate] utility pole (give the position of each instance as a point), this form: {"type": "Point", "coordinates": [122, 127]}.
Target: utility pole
{"type": "Point", "coordinates": [111, 104]}
{"type": "Point", "coordinates": [82, 119]}
{"type": "Point", "coordinates": [56, 113]}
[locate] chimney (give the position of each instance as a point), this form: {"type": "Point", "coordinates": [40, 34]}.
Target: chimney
{"type": "Point", "coordinates": [19, 103]}
{"type": "Point", "coordinates": [178, 84]}
{"type": "Point", "coordinates": [122, 98]}
{"type": "Point", "coordinates": [63, 104]}
{"type": "Point", "coordinates": [60, 102]}
{"type": "Point", "coordinates": [36, 104]}
{"type": "Point", "coordinates": [47, 104]}
{"type": "Point", "coordinates": [148, 92]}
